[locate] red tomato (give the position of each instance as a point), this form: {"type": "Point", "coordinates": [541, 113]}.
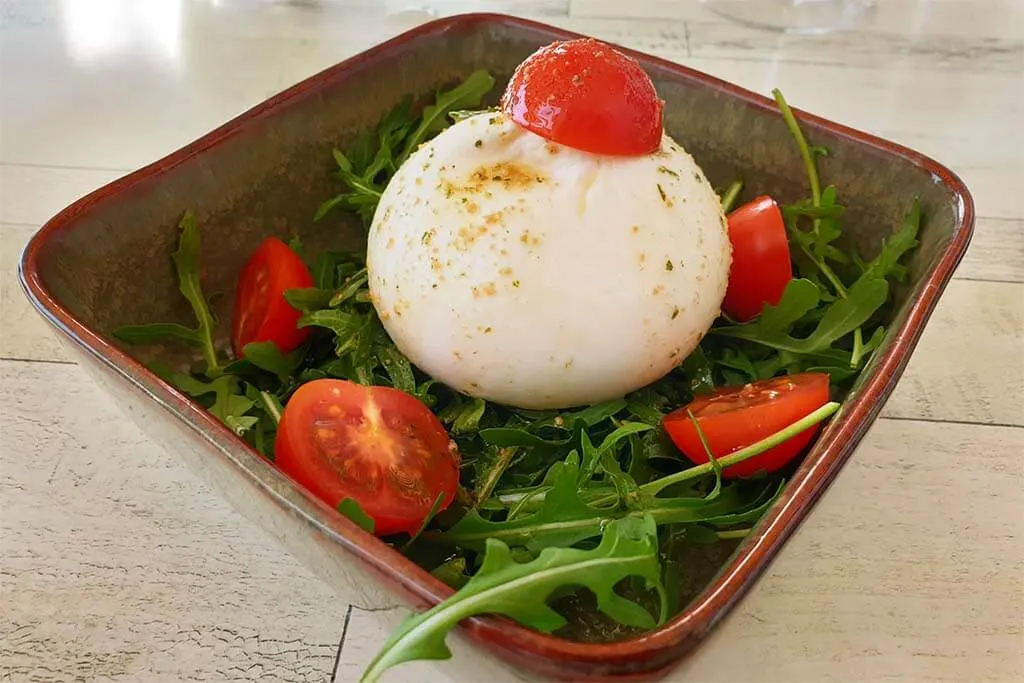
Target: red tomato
{"type": "Point", "coordinates": [377, 445]}
{"type": "Point", "coordinates": [585, 94]}
{"type": "Point", "coordinates": [761, 265]}
{"type": "Point", "coordinates": [734, 417]}
{"type": "Point", "coordinates": [261, 311]}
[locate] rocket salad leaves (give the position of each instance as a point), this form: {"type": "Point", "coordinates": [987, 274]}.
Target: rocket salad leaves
{"type": "Point", "coordinates": [549, 500]}
{"type": "Point", "coordinates": [521, 590]}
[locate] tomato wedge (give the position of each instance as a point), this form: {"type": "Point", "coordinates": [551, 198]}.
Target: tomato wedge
{"type": "Point", "coordinates": [261, 311]}
{"type": "Point", "coordinates": [585, 94]}
{"type": "Point", "coordinates": [761, 265]}
{"type": "Point", "coordinates": [377, 445]}
{"type": "Point", "coordinates": [734, 417]}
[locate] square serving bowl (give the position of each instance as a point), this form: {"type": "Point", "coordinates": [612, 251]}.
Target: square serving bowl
{"type": "Point", "coordinates": [104, 261]}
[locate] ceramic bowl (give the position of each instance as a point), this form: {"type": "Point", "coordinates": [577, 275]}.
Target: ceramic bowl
{"type": "Point", "coordinates": [104, 262]}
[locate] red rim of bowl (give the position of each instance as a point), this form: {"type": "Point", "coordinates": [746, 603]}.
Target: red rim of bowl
{"type": "Point", "coordinates": [645, 656]}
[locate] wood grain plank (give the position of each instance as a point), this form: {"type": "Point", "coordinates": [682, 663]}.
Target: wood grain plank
{"type": "Point", "coordinates": [872, 49]}
{"type": "Point", "coordinates": [969, 364]}
{"type": "Point", "coordinates": [1000, 19]}
{"type": "Point", "coordinates": [908, 570]}
{"type": "Point", "coordinates": [996, 251]}
{"type": "Point", "coordinates": [118, 564]}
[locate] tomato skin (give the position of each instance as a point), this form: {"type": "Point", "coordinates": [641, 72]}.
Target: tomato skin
{"type": "Point", "coordinates": [585, 94]}
{"type": "Point", "coordinates": [261, 312]}
{"type": "Point", "coordinates": [377, 445]}
{"type": "Point", "coordinates": [735, 417]}
{"type": "Point", "coordinates": [761, 264]}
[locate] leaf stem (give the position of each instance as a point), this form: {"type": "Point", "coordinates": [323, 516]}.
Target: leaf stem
{"type": "Point", "coordinates": [501, 463]}
{"type": "Point", "coordinates": [272, 406]}
{"type": "Point", "coordinates": [656, 486]}
{"type": "Point", "coordinates": [732, 533]}
{"type": "Point", "coordinates": [812, 176]}
{"type": "Point", "coordinates": [801, 142]}
{"type": "Point", "coordinates": [731, 194]}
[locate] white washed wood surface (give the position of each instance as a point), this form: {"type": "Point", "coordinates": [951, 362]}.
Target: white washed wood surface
{"type": "Point", "coordinates": [117, 565]}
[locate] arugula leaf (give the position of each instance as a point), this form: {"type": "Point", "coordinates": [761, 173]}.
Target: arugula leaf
{"type": "Point", "coordinates": [463, 414]}
{"type": "Point", "coordinates": [628, 547]}
{"type": "Point", "coordinates": [426, 521]}
{"type": "Point", "coordinates": [593, 455]}
{"type": "Point", "coordinates": [156, 332]}
{"type": "Point", "coordinates": [465, 95]}
{"type": "Point", "coordinates": [887, 263]}
{"type": "Point", "coordinates": [308, 299]}
{"type": "Point", "coordinates": [841, 317]}
{"type": "Point", "coordinates": [799, 297]}
{"type": "Point", "coordinates": [267, 356]}
{"type": "Point", "coordinates": [563, 519]}
{"type": "Point", "coordinates": [186, 262]}
{"type": "Point", "coordinates": [398, 368]}
{"type": "Point", "coordinates": [230, 406]}
{"type": "Point", "coordinates": [398, 136]}
{"type": "Point", "coordinates": [351, 509]}
{"type": "Point", "coordinates": [490, 467]}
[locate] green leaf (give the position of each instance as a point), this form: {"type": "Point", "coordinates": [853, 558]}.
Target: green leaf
{"type": "Point", "coordinates": [426, 520]}
{"type": "Point", "coordinates": [267, 356]}
{"type": "Point", "coordinates": [328, 205]}
{"type": "Point", "coordinates": [840, 318]}
{"type": "Point", "coordinates": [887, 263]}
{"type": "Point", "coordinates": [490, 465]}
{"type": "Point", "coordinates": [351, 509]}
{"type": "Point", "coordinates": [351, 287]}
{"type": "Point", "coordinates": [846, 315]}
{"type": "Point", "coordinates": [230, 405]}
{"type": "Point", "coordinates": [697, 370]}
{"type": "Point", "coordinates": [398, 368]}
{"type": "Point", "coordinates": [308, 299]}
{"type": "Point", "coordinates": [465, 95]}
{"type": "Point", "coordinates": [342, 323]}
{"type": "Point", "coordinates": [511, 436]}
{"type": "Point", "coordinates": [799, 297]}
{"type": "Point", "coordinates": [520, 591]}
{"type": "Point", "coordinates": [187, 266]}
{"type": "Point", "coordinates": [562, 520]}
{"type": "Point", "coordinates": [186, 262]}
{"type": "Point", "coordinates": [156, 332]}
{"type": "Point", "coordinates": [240, 425]}
{"type": "Point", "coordinates": [593, 455]}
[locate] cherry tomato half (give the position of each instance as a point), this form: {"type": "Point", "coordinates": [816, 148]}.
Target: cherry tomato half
{"type": "Point", "coordinates": [587, 95]}
{"type": "Point", "coordinates": [734, 417]}
{"type": "Point", "coordinates": [377, 445]}
{"type": "Point", "coordinates": [261, 311]}
{"type": "Point", "coordinates": [761, 265]}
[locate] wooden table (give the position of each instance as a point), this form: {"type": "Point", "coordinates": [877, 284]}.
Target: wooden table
{"type": "Point", "coordinates": [118, 565]}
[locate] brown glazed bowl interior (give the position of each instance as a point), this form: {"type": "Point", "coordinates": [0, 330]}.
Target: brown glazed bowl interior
{"type": "Point", "coordinates": [104, 262]}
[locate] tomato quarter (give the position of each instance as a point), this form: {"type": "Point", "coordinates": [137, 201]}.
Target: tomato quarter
{"type": "Point", "coordinates": [735, 417]}
{"type": "Point", "coordinates": [761, 265]}
{"type": "Point", "coordinates": [377, 445]}
{"type": "Point", "coordinates": [587, 95]}
{"type": "Point", "coordinates": [261, 311]}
